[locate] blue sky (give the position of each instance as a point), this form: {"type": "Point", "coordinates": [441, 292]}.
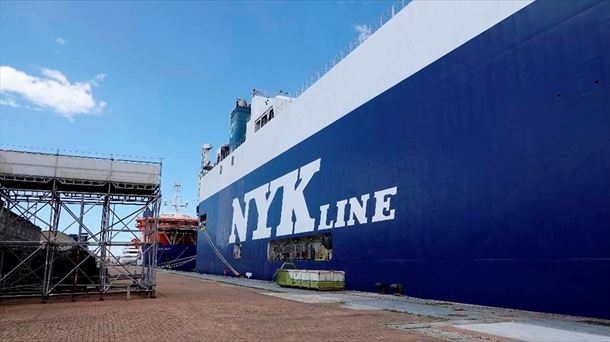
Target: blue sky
{"type": "Point", "coordinates": [157, 79]}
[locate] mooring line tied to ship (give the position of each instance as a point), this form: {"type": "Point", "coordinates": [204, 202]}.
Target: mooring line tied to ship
{"type": "Point", "coordinates": [170, 264]}
{"type": "Point", "coordinates": [217, 252]}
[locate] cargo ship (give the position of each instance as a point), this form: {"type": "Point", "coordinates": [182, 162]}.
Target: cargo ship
{"type": "Point", "coordinates": [176, 237]}
{"type": "Point", "coordinates": [462, 150]}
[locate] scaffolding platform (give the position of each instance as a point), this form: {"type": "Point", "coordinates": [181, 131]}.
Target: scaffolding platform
{"type": "Point", "coordinates": [62, 218]}
{"type": "Point", "coordinates": [43, 171]}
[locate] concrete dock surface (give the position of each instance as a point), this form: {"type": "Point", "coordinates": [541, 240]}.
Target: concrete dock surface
{"type": "Point", "coordinates": [198, 307]}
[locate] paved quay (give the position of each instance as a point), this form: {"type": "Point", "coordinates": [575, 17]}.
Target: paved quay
{"type": "Point", "coordinates": [445, 320]}
{"type": "Point", "coordinates": [195, 307]}
{"type": "Point", "coordinates": [191, 309]}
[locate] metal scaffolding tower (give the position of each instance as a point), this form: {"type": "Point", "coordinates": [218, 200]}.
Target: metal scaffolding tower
{"type": "Point", "coordinates": [62, 219]}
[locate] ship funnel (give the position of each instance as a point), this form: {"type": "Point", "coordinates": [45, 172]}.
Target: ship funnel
{"type": "Point", "coordinates": [205, 155]}
{"type": "Point", "coordinates": [241, 103]}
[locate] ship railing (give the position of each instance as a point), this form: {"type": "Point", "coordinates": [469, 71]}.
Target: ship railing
{"type": "Point", "coordinates": [269, 94]}
{"type": "Point", "coordinates": [365, 31]}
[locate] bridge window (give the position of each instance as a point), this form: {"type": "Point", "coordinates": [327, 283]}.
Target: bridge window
{"type": "Point", "coordinates": [263, 119]}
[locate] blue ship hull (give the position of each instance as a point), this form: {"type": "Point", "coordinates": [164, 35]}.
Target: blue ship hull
{"type": "Point", "coordinates": [500, 154]}
{"type": "Point", "coordinates": [180, 257]}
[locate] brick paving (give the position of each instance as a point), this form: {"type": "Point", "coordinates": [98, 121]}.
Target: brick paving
{"type": "Point", "coordinates": [189, 309]}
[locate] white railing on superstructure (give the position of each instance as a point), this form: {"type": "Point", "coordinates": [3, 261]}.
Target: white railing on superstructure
{"type": "Point", "coordinates": [367, 31]}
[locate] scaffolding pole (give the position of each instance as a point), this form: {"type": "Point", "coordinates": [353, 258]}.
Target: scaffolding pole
{"type": "Point", "coordinates": [59, 235]}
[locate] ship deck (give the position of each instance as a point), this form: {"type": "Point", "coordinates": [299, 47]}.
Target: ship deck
{"type": "Point", "coordinates": [192, 306]}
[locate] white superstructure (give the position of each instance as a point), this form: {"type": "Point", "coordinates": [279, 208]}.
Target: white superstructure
{"type": "Point", "coordinates": [421, 33]}
{"type": "Point", "coordinates": [131, 255]}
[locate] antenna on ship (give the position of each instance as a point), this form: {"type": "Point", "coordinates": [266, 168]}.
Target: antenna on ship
{"type": "Point", "coordinates": [177, 203]}
{"type": "Point", "coordinates": [205, 158]}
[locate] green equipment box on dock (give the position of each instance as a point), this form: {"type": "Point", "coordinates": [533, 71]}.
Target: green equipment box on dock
{"type": "Point", "coordinates": [312, 279]}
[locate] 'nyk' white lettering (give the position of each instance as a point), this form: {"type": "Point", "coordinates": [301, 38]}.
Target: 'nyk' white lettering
{"type": "Point", "coordinates": [294, 200]}
{"type": "Point", "coordinates": [238, 227]}
{"type": "Point", "coordinates": [263, 202]}
{"type": "Point", "coordinates": [295, 217]}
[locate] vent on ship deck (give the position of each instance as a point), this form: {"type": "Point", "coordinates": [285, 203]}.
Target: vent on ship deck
{"type": "Point", "coordinates": [311, 247]}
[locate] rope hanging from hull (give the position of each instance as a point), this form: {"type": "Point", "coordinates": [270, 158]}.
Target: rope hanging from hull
{"type": "Point", "coordinates": [217, 252]}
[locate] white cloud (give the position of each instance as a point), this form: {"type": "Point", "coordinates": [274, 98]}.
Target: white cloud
{"type": "Point", "coordinates": [61, 41]}
{"type": "Point", "coordinates": [98, 78]}
{"type": "Point", "coordinates": [364, 31]}
{"type": "Point", "coordinates": [8, 101]}
{"type": "Point", "coordinates": [52, 91]}
{"type": "Point", "coordinates": [55, 75]}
